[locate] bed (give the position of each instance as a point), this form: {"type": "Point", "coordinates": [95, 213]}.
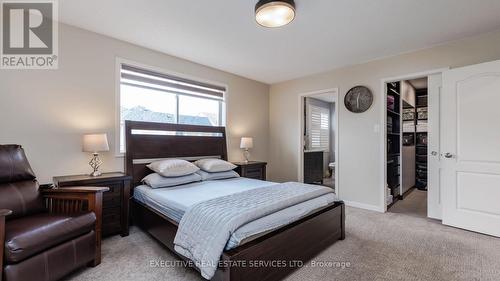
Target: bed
{"type": "Point", "coordinates": [292, 236]}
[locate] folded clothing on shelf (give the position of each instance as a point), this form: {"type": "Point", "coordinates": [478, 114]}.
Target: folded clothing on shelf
{"type": "Point", "coordinates": [390, 103]}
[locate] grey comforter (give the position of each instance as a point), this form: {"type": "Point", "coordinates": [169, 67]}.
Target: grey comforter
{"type": "Point", "coordinates": [206, 227]}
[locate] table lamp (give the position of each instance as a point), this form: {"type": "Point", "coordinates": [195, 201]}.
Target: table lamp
{"type": "Point", "coordinates": [95, 143]}
{"type": "Point", "coordinates": [246, 144]}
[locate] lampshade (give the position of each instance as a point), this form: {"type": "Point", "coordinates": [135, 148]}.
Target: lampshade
{"type": "Point", "coordinates": [274, 13]}
{"type": "Point", "coordinates": [246, 143]}
{"type": "Point", "coordinates": [95, 143]}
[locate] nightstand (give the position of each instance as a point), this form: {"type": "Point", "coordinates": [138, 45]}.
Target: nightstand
{"type": "Point", "coordinates": [252, 169]}
{"type": "Point", "coordinates": [115, 202]}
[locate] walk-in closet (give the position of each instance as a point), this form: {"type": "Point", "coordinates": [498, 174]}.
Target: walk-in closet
{"type": "Point", "coordinates": [407, 129]}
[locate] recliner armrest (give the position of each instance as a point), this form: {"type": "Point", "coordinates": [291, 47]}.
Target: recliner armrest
{"type": "Point", "coordinates": [77, 199]}
{"type": "Point", "coordinates": [76, 189]}
{"type": "Point", "coordinates": [3, 214]}
{"type": "Point", "coordinates": [71, 200]}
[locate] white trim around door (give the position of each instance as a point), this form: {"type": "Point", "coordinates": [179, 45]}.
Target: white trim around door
{"type": "Point", "coordinates": [300, 149]}
{"type": "Point", "coordinates": [383, 132]}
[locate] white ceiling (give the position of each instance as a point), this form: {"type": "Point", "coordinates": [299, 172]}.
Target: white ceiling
{"type": "Point", "coordinates": [326, 34]}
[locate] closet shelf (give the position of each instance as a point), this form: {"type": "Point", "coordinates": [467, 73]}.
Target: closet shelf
{"type": "Point", "coordinates": [392, 112]}
{"type": "Point", "coordinates": [393, 91]}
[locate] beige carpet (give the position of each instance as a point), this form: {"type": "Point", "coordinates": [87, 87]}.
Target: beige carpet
{"type": "Point", "coordinates": [415, 204]}
{"type": "Point", "coordinates": [378, 247]}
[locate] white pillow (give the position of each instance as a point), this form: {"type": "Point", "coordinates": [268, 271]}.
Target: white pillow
{"type": "Point", "coordinates": [217, 176]}
{"type": "Point", "coordinates": [173, 167]}
{"type": "Point", "coordinates": [214, 165]}
{"type": "Point", "coordinates": [155, 180]}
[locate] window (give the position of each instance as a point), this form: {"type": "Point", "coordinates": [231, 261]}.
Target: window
{"type": "Point", "coordinates": [319, 127]}
{"type": "Point", "coordinates": [155, 97]}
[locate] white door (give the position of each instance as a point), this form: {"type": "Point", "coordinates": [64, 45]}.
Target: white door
{"type": "Point", "coordinates": [434, 208]}
{"type": "Point", "coordinates": [471, 148]}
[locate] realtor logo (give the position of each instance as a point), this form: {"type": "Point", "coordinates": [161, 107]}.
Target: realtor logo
{"type": "Point", "coordinates": [29, 35]}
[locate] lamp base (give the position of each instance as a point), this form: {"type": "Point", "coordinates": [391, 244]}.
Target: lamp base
{"type": "Point", "coordinates": [246, 154]}
{"type": "Point", "coordinates": [95, 163]}
{"type": "Point", "coordinates": [95, 174]}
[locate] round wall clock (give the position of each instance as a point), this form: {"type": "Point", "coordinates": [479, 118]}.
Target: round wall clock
{"type": "Point", "coordinates": [358, 99]}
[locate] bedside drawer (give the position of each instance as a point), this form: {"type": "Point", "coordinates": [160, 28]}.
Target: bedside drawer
{"type": "Point", "coordinates": [112, 198]}
{"type": "Point", "coordinates": [254, 173]}
{"type": "Point", "coordinates": [111, 220]}
{"type": "Point", "coordinates": [253, 169]}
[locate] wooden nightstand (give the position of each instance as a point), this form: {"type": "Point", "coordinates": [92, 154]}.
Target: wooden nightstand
{"type": "Point", "coordinates": [252, 169]}
{"type": "Point", "coordinates": [115, 202]}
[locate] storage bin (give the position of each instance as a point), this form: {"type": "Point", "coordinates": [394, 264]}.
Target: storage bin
{"type": "Point", "coordinates": [408, 114]}
{"type": "Point", "coordinates": [422, 139]}
{"type": "Point", "coordinates": [421, 173]}
{"type": "Point", "coordinates": [422, 113]}
{"type": "Point", "coordinates": [421, 128]}
{"type": "Point", "coordinates": [422, 101]}
{"type": "Point", "coordinates": [420, 184]}
{"type": "Point", "coordinates": [421, 158]}
{"type": "Point", "coordinates": [395, 191]}
{"type": "Point", "coordinates": [408, 126]}
{"type": "Point", "coordinates": [422, 166]}
{"type": "Point", "coordinates": [392, 172]}
{"type": "Point", "coordinates": [408, 139]}
{"type": "Point", "coordinates": [421, 150]}
{"type": "Point", "coordinates": [389, 199]}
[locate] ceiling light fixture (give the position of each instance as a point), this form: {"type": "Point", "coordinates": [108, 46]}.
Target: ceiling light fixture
{"type": "Point", "coordinates": [274, 13]}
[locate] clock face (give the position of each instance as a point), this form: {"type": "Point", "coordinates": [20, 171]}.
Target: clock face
{"type": "Point", "coordinates": [358, 99]}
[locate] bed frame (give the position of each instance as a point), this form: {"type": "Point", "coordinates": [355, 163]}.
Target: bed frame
{"type": "Point", "coordinates": [291, 245]}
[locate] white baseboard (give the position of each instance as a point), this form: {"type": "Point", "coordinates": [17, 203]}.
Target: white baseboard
{"type": "Point", "coordinates": [364, 206]}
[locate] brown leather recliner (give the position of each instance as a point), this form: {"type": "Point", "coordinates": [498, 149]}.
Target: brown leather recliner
{"type": "Point", "coordinates": [44, 234]}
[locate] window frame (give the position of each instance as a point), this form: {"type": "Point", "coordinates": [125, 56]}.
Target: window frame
{"type": "Point", "coordinates": [118, 66]}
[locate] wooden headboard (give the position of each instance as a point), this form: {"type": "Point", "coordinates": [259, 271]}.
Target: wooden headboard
{"type": "Point", "coordinates": [147, 142]}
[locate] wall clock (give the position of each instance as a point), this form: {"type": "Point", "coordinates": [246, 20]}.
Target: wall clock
{"type": "Point", "coordinates": [358, 99]}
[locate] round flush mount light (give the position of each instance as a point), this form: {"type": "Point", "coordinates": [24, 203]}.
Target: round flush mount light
{"type": "Point", "coordinates": [274, 13]}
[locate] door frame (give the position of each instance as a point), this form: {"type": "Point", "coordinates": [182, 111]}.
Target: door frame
{"type": "Point", "coordinates": [383, 131]}
{"type": "Point", "coordinates": [300, 166]}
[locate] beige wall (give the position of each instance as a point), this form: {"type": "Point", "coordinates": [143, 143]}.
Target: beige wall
{"type": "Point", "coordinates": [359, 142]}
{"type": "Point", "coordinates": [47, 111]}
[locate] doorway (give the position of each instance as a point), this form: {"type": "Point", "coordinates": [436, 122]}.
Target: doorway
{"type": "Point", "coordinates": [407, 146]}
{"type": "Point", "coordinates": [463, 157]}
{"type": "Point", "coordinates": [318, 145]}
{"type": "Point", "coordinates": [411, 141]}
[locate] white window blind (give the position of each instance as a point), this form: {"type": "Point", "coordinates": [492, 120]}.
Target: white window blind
{"type": "Point", "coordinates": [319, 127]}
